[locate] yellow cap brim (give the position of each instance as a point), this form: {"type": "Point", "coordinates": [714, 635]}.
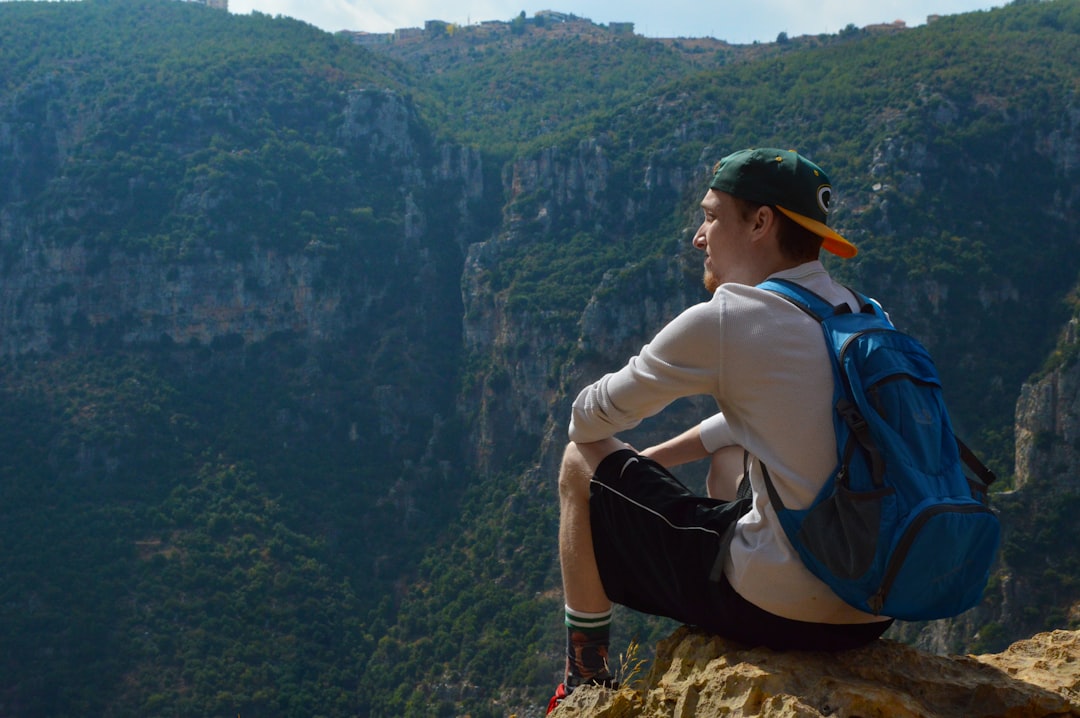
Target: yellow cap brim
{"type": "Point", "coordinates": [831, 240]}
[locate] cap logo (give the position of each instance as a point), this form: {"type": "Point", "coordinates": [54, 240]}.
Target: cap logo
{"type": "Point", "coordinates": [824, 197]}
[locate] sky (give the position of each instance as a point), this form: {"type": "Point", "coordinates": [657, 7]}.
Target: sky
{"type": "Point", "coordinates": [739, 22]}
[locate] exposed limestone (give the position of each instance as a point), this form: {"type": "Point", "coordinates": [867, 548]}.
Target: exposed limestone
{"type": "Point", "coordinates": [1048, 424]}
{"type": "Point", "coordinates": [695, 674]}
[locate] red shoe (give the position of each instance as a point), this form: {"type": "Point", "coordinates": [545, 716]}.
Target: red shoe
{"type": "Point", "coordinates": [560, 694]}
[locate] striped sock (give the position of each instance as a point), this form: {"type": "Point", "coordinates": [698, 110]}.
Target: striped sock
{"type": "Point", "coordinates": [588, 622]}
{"type": "Point", "coordinates": [587, 639]}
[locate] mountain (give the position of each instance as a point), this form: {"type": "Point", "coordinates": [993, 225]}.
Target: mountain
{"type": "Point", "coordinates": [289, 327]}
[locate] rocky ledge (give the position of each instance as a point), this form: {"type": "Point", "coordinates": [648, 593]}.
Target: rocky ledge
{"type": "Point", "coordinates": [695, 674]}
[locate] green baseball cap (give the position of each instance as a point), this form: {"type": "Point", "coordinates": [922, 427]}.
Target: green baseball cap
{"type": "Point", "coordinates": [787, 181]}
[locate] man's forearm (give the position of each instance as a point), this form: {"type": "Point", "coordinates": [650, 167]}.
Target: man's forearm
{"type": "Point", "coordinates": [682, 449]}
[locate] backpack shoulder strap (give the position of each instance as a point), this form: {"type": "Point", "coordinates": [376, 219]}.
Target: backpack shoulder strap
{"type": "Point", "coordinates": [868, 305]}
{"type": "Point", "coordinates": [984, 474]}
{"type": "Point", "coordinates": [817, 306]}
{"type": "Point", "coordinates": [822, 310]}
{"type": "Point", "coordinates": [810, 302]}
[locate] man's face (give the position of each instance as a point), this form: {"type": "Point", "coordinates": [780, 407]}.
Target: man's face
{"type": "Point", "coordinates": [721, 236]}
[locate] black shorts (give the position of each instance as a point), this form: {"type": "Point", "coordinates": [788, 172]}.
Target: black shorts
{"type": "Point", "coordinates": [660, 549]}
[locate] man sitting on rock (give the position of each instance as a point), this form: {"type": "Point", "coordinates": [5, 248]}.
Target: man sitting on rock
{"type": "Point", "coordinates": [632, 533]}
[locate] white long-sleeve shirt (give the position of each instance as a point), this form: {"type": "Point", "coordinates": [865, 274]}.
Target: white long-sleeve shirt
{"type": "Point", "coordinates": [765, 363]}
{"type": "Point", "coordinates": [716, 433]}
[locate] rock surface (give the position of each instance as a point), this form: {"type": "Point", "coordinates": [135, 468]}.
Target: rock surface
{"type": "Point", "coordinates": [695, 674]}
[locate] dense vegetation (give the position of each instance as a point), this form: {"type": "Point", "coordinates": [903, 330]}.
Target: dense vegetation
{"type": "Point", "coordinates": [363, 525]}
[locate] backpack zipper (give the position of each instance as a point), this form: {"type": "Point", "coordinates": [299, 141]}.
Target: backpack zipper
{"type": "Point", "coordinates": [877, 601]}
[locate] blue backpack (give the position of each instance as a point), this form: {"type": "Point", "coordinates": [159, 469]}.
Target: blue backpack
{"type": "Point", "coordinates": [898, 529]}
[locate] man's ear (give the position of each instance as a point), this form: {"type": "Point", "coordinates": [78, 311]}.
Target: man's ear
{"type": "Point", "coordinates": [764, 218]}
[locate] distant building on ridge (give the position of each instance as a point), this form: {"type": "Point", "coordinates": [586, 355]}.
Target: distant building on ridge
{"type": "Point", "coordinates": [367, 38]}
{"type": "Point", "coordinates": [216, 4]}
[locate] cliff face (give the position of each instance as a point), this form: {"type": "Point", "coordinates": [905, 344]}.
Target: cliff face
{"type": "Point", "coordinates": [531, 355]}
{"type": "Point", "coordinates": [1048, 425]}
{"type": "Point", "coordinates": [1039, 555]}
{"type": "Point", "coordinates": [55, 297]}
{"type": "Point", "coordinates": [76, 291]}
{"type": "Point", "coordinates": [702, 676]}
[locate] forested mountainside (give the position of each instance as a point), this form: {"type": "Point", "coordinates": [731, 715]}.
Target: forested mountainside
{"type": "Point", "coordinates": [289, 328]}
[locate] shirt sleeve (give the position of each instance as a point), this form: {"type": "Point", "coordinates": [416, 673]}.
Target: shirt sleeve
{"type": "Point", "coordinates": [683, 359]}
{"type": "Point", "coordinates": [716, 433]}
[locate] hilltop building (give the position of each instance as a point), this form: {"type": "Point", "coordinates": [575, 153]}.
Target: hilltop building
{"type": "Point", "coordinates": [360, 37]}
{"type": "Point", "coordinates": [216, 4]}
{"type": "Point", "coordinates": [886, 26]}
{"type": "Point", "coordinates": [433, 29]}
{"type": "Point", "coordinates": [555, 16]}
{"type": "Point", "coordinates": [408, 33]}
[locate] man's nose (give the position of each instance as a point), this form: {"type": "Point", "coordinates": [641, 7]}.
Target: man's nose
{"type": "Point", "coordinates": [699, 239]}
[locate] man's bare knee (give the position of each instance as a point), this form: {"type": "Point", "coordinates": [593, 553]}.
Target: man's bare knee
{"type": "Point", "coordinates": [575, 472]}
{"type": "Point", "coordinates": [580, 461]}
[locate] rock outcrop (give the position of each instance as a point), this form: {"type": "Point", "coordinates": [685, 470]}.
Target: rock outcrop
{"type": "Point", "coordinates": [695, 674]}
{"type": "Point", "coordinates": [1048, 422]}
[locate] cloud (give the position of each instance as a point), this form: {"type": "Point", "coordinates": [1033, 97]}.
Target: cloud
{"type": "Point", "coordinates": [379, 15]}
{"type": "Point", "coordinates": [330, 15]}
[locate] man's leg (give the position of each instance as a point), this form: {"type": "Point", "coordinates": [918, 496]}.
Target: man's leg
{"type": "Point", "coordinates": [581, 578]}
{"type": "Point", "coordinates": [588, 609]}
